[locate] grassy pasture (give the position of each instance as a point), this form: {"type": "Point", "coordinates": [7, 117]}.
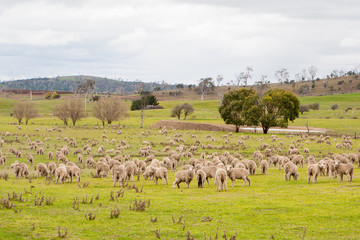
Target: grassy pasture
{"type": "Point", "coordinates": [270, 207]}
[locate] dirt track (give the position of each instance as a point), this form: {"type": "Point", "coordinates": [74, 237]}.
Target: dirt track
{"type": "Point", "coordinates": [228, 128]}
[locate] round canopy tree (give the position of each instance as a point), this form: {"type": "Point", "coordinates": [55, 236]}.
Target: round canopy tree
{"type": "Point", "coordinates": [231, 109]}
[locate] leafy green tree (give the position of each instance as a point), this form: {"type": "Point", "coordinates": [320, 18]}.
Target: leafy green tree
{"type": "Point", "coordinates": [231, 109]}
{"type": "Point", "coordinates": [275, 109]}
{"type": "Point", "coordinates": [143, 102]}
{"type": "Point", "coordinates": [244, 107]}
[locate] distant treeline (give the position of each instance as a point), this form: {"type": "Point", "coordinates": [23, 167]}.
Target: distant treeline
{"type": "Point", "coordinates": [69, 84]}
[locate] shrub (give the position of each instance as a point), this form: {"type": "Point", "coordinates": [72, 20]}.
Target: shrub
{"type": "Point", "coordinates": [95, 98]}
{"type": "Point", "coordinates": [334, 107]}
{"type": "Point", "coordinates": [304, 108]}
{"type": "Point", "coordinates": [314, 106]}
{"type": "Point", "coordinates": [143, 102]}
{"type": "Point", "coordinates": [340, 82]}
{"type": "Point", "coordinates": [48, 95]}
{"type": "Point", "coordinates": [358, 86]}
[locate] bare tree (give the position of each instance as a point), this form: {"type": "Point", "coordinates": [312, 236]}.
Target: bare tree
{"type": "Point", "coordinates": [19, 111]}
{"type": "Point", "coordinates": [61, 111]}
{"type": "Point", "coordinates": [219, 79]}
{"type": "Point", "coordinates": [25, 110]}
{"type": "Point", "coordinates": [312, 70]}
{"type": "Point", "coordinates": [304, 74]}
{"type": "Point", "coordinates": [282, 75]}
{"type": "Point", "coordinates": [188, 109]}
{"type": "Point", "coordinates": [238, 79]}
{"type": "Point", "coordinates": [69, 109]}
{"type": "Point", "coordinates": [75, 110]}
{"type": "Point", "coordinates": [248, 75]}
{"type": "Point", "coordinates": [205, 86]}
{"type": "Point", "coordinates": [30, 111]}
{"type": "Point", "coordinates": [110, 110]}
{"type": "Point", "coordinates": [262, 83]}
{"type": "Point", "coordinates": [85, 88]}
{"type": "Point", "coordinates": [176, 111]}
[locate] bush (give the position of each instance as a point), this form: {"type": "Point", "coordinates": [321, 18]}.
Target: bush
{"type": "Point", "coordinates": [95, 98]}
{"type": "Point", "coordinates": [304, 108]}
{"type": "Point", "coordinates": [358, 86]}
{"type": "Point", "coordinates": [340, 82]}
{"type": "Point", "coordinates": [334, 107]}
{"type": "Point", "coordinates": [314, 106]}
{"type": "Point", "coordinates": [48, 95]}
{"type": "Point", "coordinates": [143, 102]}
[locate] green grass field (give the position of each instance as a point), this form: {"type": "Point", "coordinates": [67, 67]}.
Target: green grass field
{"type": "Point", "coordinates": [270, 208]}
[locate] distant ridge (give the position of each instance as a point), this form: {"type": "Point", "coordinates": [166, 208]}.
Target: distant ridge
{"type": "Point", "coordinates": [69, 84]}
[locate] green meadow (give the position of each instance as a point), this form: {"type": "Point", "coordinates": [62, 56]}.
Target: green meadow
{"type": "Point", "coordinates": [271, 208]}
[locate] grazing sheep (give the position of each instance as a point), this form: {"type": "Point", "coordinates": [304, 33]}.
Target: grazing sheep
{"type": "Point", "coordinates": [52, 168]}
{"type": "Point", "coordinates": [209, 170]}
{"type": "Point", "coordinates": [61, 174]}
{"type": "Point", "coordinates": [74, 171]}
{"type": "Point", "coordinates": [50, 155]}
{"type": "Point", "coordinates": [42, 170]}
{"type": "Point", "coordinates": [40, 151]}
{"type": "Point", "coordinates": [21, 170]}
{"type": "Point", "coordinates": [90, 161]}
{"type": "Point", "coordinates": [220, 179]}
{"type": "Point", "coordinates": [113, 163]}
{"type": "Point", "coordinates": [298, 159]}
{"type": "Point", "coordinates": [118, 173]}
{"type": "Point", "coordinates": [183, 176]}
{"type": "Point", "coordinates": [30, 159]}
{"type": "Point", "coordinates": [200, 177]}
{"type": "Point", "coordinates": [341, 158]}
{"type": "Point", "coordinates": [291, 169]}
{"type": "Point", "coordinates": [252, 167]}
{"type": "Point", "coordinates": [344, 169]}
{"type": "Point", "coordinates": [102, 167]}
{"type": "Point", "coordinates": [62, 158]}
{"type": "Point", "coordinates": [282, 161]}
{"type": "Point", "coordinates": [159, 172]}
{"type": "Point", "coordinates": [264, 165]}
{"type": "Point", "coordinates": [314, 170]}
{"type": "Point", "coordinates": [238, 173]}
{"type": "Point", "coordinates": [131, 170]}
{"type": "Point", "coordinates": [80, 158]}
{"type": "Point", "coordinates": [2, 160]}
{"type": "Point", "coordinates": [354, 158]}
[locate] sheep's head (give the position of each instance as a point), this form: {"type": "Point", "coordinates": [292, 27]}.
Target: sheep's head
{"type": "Point", "coordinates": [228, 168]}
{"type": "Point", "coordinates": [322, 164]}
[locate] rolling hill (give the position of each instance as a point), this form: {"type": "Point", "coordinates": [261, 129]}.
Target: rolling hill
{"type": "Point", "coordinates": [69, 84]}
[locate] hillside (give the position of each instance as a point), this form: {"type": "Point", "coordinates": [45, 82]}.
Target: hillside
{"type": "Point", "coordinates": [69, 84]}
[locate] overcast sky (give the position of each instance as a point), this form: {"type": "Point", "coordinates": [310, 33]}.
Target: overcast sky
{"type": "Point", "coordinates": [179, 41]}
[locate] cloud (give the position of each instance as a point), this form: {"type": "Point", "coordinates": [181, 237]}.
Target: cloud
{"type": "Point", "coordinates": [175, 40]}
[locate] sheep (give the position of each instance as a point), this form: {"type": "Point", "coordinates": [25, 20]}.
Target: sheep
{"type": "Point", "coordinates": [52, 168]}
{"type": "Point", "coordinates": [200, 177]}
{"type": "Point", "coordinates": [252, 167]}
{"type": "Point", "coordinates": [298, 159]}
{"type": "Point", "coordinates": [344, 169]}
{"type": "Point", "coordinates": [102, 167]}
{"type": "Point", "coordinates": [118, 173]}
{"type": "Point", "coordinates": [50, 155]}
{"type": "Point", "coordinates": [209, 170]}
{"type": "Point", "coordinates": [183, 176]}
{"type": "Point", "coordinates": [80, 158]}
{"type": "Point", "coordinates": [291, 169]}
{"type": "Point", "coordinates": [264, 165]}
{"type": "Point", "coordinates": [238, 173]}
{"type": "Point", "coordinates": [314, 170]}
{"type": "Point", "coordinates": [90, 161]}
{"type": "Point", "coordinates": [220, 179]}
{"type": "Point", "coordinates": [42, 170]}
{"type": "Point", "coordinates": [131, 169]}
{"type": "Point", "coordinates": [341, 158]}
{"type": "Point", "coordinates": [62, 158]}
{"type": "Point", "coordinates": [61, 174]}
{"type": "Point", "coordinates": [273, 160]}
{"type": "Point", "coordinates": [40, 151]}
{"type": "Point", "coordinates": [30, 158]}
{"type": "Point", "coordinates": [21, 170]}
{"type": "Point", "coordinates": [354, 158]}
{"type": "Point", "coordinates": [159, 172]}
{"type": "Point", "coordinates": [2, 160]}
{"type": "Point", "coordinates": [282, 161]}
{"type": "Point", "coordinates": [74, 171]}
{"type": "Point", "coordinates": [113, 163]}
